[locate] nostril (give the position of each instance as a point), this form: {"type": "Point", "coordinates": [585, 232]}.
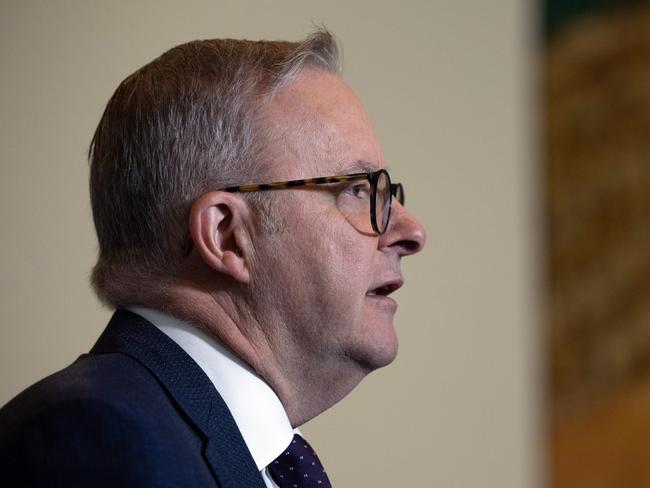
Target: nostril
{"type": "Point", "coordinates": [408, 246]}
{"type": "Point", "coordinates": [412, 245]}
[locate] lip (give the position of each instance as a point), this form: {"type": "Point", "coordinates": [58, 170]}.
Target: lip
{"type": "Point", "coordinates": [383, 302]}
{"type": "Point", "coordinates": [385, 288]}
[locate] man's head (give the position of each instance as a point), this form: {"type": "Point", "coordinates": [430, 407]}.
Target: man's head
{"type": "Point", "coordinates": [295, 280]}
{"type": "Point", "coordinates": [180, 126]}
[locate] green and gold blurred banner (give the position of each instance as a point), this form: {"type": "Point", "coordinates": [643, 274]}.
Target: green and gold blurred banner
{"type": "Point", "coordinates": [597, 168]}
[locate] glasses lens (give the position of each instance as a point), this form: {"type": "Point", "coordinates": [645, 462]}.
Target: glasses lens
{"type": "Point", "coordinates": [382, 201]}
{"type": "Point", "coordinates": [353, 201]}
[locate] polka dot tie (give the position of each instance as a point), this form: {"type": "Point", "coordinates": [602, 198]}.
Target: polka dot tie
{"type": "Point", "coordinates": [299, 467]}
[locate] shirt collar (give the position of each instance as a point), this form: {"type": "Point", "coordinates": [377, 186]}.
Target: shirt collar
{"type": "Point", "coordinates": [256, 408]}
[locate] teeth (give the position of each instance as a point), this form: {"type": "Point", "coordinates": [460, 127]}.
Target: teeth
{"type": "Point", "coordinates": [372, 293]}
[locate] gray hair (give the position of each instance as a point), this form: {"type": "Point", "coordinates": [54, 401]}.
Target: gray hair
{"type": "Point", "coordinates": [182, 125]}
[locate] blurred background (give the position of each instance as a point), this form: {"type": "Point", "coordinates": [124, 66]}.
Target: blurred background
{"type": "Point", "coordinates": [596, 106]}
{"type": "Point", "coordinates": [520, 132]}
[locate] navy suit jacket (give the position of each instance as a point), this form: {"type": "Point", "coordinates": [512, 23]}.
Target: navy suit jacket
{"type": "Point", "coordinates": [135, 411]}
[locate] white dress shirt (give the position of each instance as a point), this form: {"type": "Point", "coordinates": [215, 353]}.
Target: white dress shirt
{"type": "Point", "coordinates": [257, 410]}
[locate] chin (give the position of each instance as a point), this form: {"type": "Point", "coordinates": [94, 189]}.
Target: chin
{"type": "Point", "coordinates": [379, 353]}
{"type": "Point", "coordinates": [386, 355]}
{"type": "Point", "coordinates": [377, 341]}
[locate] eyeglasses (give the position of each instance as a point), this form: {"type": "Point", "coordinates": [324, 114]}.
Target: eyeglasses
{"type": "Point", "coordinates": [374, 190]}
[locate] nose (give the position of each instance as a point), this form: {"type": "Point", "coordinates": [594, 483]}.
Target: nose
{"type": "Point", "coordinates": [405, 233]}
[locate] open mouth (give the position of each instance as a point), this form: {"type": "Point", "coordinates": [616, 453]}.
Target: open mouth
{"type": "Point", "coordinates": [386, 289]}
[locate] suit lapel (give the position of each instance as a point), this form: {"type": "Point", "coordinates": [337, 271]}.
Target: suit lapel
{"type": "Point", "coordinates": [192, 391]}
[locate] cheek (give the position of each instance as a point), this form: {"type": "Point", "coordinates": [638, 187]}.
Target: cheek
{"type": "Point", "coordinates": [355, 268]}
{"type": "Point", "coordinates": [345, 276]}
{"type": "Point", "coordinates": [330, 261]}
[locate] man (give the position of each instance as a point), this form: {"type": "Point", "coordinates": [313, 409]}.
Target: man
{"type": "Point", "coordinates": [244, 308]}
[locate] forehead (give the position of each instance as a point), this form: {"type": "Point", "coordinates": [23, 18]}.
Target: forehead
{"type": "Point", "coordinates": [318, 126]}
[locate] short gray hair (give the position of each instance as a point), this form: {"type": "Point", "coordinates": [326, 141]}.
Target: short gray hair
{"type": "Point", "coordinates": [180, 126]}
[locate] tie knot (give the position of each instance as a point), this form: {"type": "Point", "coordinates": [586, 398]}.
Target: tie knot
{"type": "Point", "coordinates": [299, 467]}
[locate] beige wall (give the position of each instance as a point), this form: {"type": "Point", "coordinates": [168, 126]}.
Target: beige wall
{"type": "Point", "coordinates": [448, 89]}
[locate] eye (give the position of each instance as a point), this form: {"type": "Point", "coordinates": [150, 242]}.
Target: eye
{"type": "Point", "coordinates": [359, 189]}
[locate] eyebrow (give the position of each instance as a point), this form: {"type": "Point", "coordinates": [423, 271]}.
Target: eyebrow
{"type": "Point", "coordinates": [362, 167]}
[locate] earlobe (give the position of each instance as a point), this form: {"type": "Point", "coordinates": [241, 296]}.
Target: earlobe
{"type": "Point", "coordinates": [217, 229]}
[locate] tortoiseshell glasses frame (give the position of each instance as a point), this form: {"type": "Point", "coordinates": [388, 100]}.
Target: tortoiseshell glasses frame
{"type": "Point", "coordinates": [380, 199]}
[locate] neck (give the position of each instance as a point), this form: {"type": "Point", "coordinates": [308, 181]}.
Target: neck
{"type": "Point", "coordinates": [307, 384]}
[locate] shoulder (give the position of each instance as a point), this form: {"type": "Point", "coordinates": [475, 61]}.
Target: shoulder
{"type": "Point", "coordinates": [115, 381]}
{"type": "Point", "coordinates": [103, 417]}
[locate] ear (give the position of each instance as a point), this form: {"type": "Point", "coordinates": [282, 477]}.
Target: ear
{"type": "Point", "coordinates": [217, 226]}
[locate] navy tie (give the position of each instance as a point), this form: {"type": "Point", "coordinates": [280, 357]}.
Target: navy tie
{"type": "Point", "coordinates": [299, 467]}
